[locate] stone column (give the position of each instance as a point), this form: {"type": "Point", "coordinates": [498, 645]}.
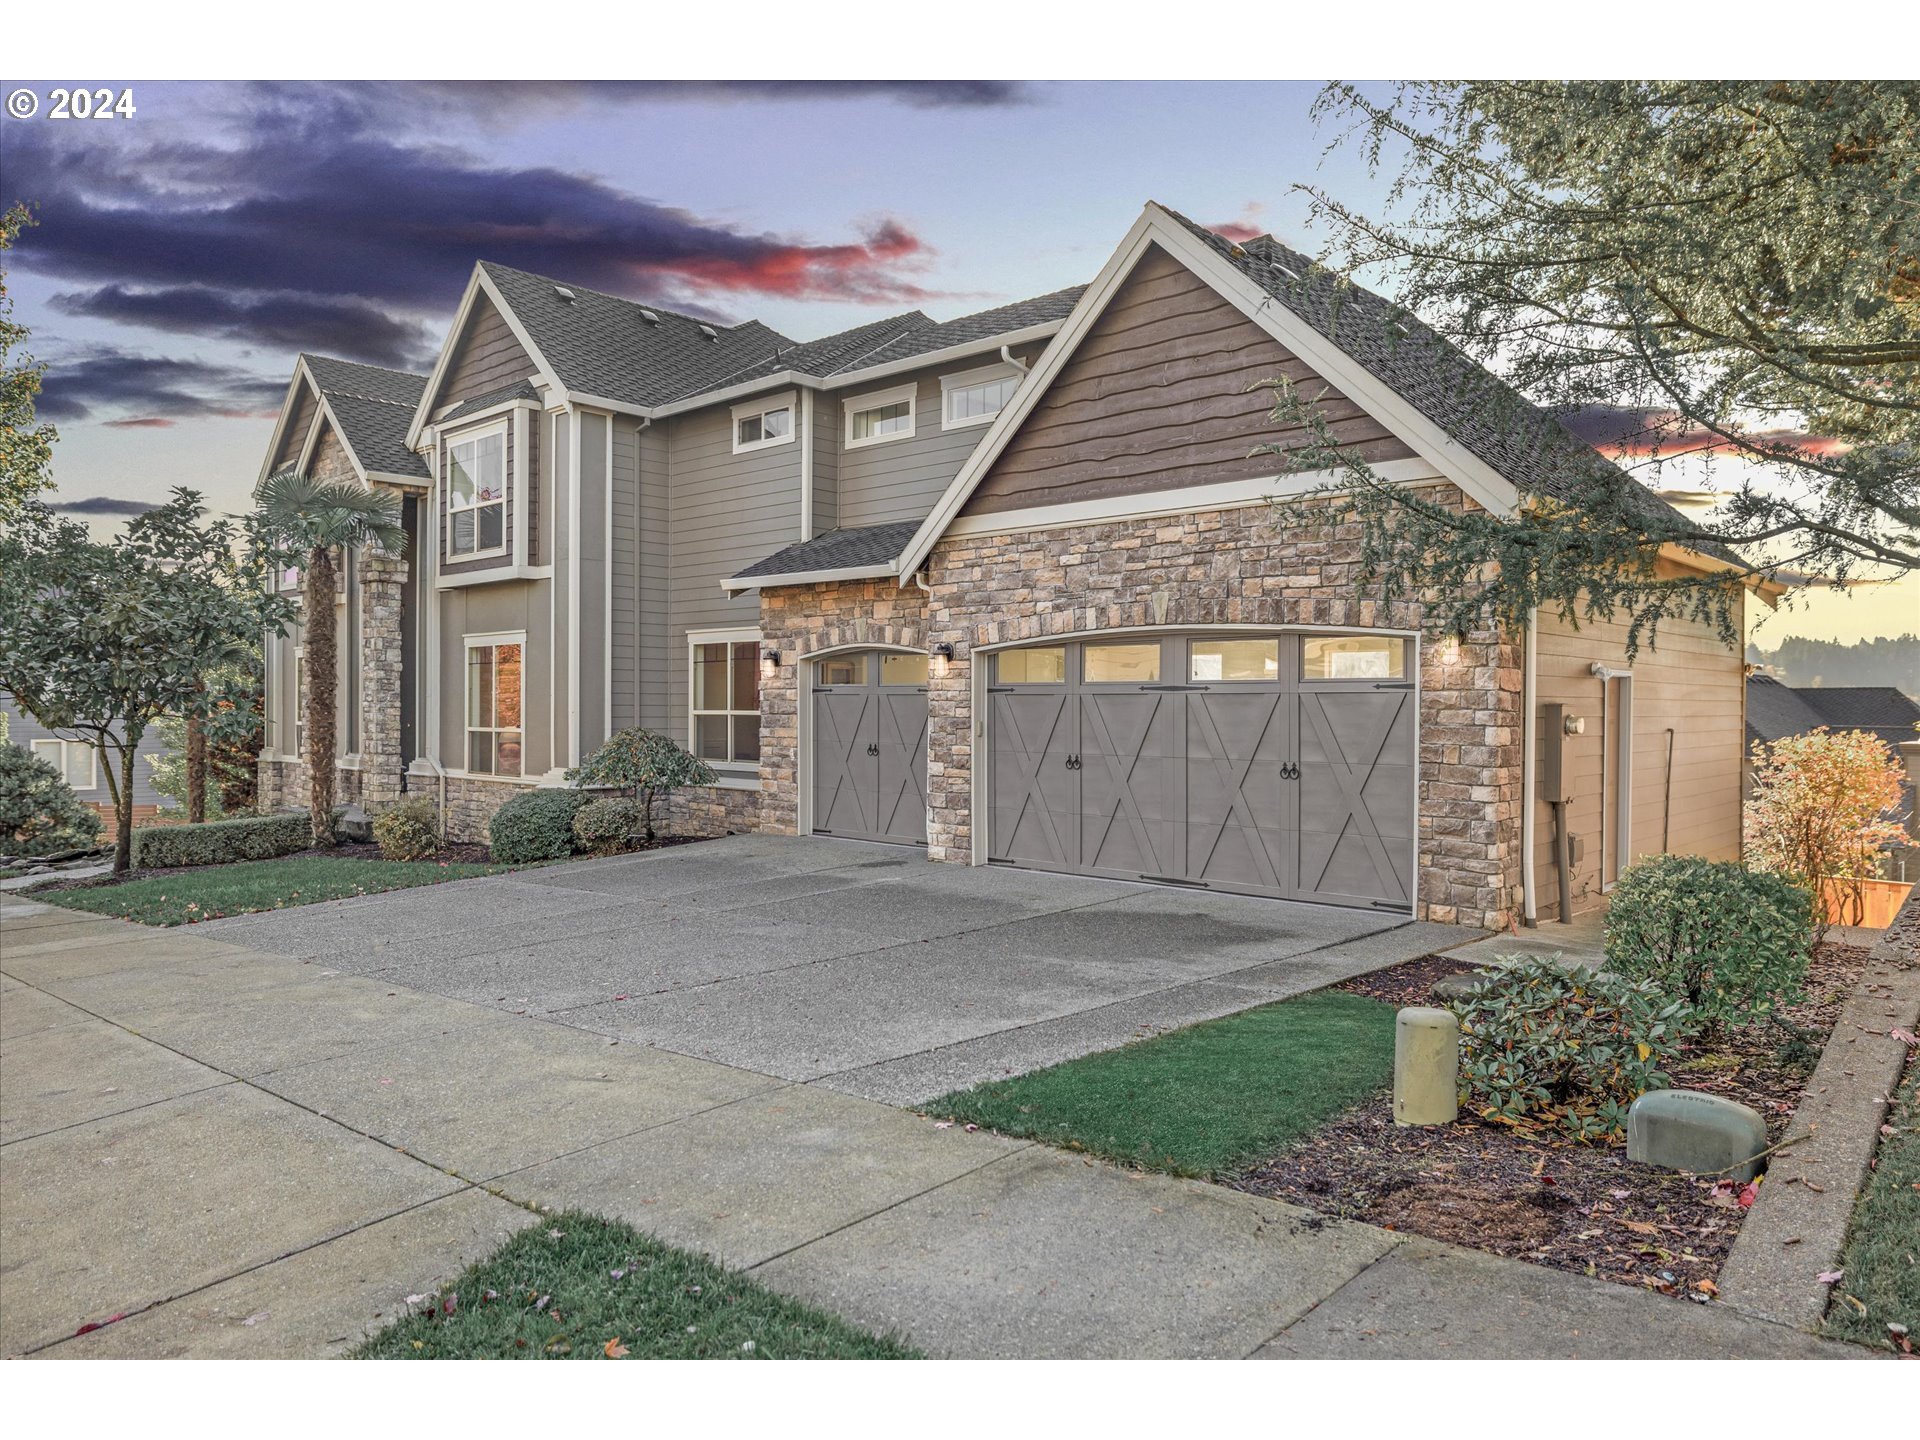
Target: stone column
{"type": "Point", "coordinates": [382, 578]}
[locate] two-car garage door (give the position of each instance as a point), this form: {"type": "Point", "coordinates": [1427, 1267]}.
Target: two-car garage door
{"type": "Point", "coordinates": [1278, 765]}
{"type": "Point", "coordinates": [1270, 764]}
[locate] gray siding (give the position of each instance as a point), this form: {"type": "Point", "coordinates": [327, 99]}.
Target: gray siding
{"type": "Point", "coordinates": [488, 357]}
{"type": "Point", "coordinates": [590, 576]}
{"type": "Point", "coordinates": [294, 440]}
{"type": "Point", "coordinates": [827, 429]}
{"type": "Point", "coordinates": [901, 479]}
{"type": "Point", "coordinates": [658, 657]}
{"type": "Point", "coordinates": [624, 572]}
{"type": "Point", "coordinates": [490, 610]}
{"type": "Point", "coordinates": [23, 730]}
{"type": "Point", "coordinates": [725, 512]}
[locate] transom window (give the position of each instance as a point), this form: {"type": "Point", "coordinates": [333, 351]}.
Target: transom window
{"type": "Point", "coordinates": [477, 495]}
{"type": "Point", "coordinates": [494, 736]}
{"type": "Point", "coordinates": [1136, 664]}
{"type": "Point", "coordinates": [976, 396]}
{"type": "Point", "coordinates": [73, 759]}
{"type": "Point", "coordinates": [726, 701]}
{"type": "Point", "coordinates": [1234, 660]}
{"type": "Point", "coordinates": [761, 423]}
{"type": "Point", "coordinates": [876, 418]}
{"type": "Point", "coordinates": [1045, 666]}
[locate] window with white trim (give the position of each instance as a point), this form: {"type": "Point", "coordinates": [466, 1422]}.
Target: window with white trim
{"type": "Point", "coordinates": [760, 423]}
{"type": "Point", "coordinates": [724, 727]}
{"type": "Point", "coordinates": [884, 415]}
{"type": "Point", "coordinates": [494, 735]}
{"type": "Point", "coordinates": [974, 397]}
{"type": "Point", "coordinates": [477, 496]}
{"type": "Point", "coordinates": [74, 760]}
{"type": "Point", "coordinates": [300, 701]}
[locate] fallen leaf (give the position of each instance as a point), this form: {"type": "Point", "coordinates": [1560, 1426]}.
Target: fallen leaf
{"type": "Point", "coordinates": [1829, 1277]}
{"type": "Point", "coordinates": [256, 1317]}
{"type": "Point", "coordinates": [1640, 1227]}
{"type": "Point", "coordinates": [614, 1350]}
{"type": "Point", "coordinates": [1748, 1194]}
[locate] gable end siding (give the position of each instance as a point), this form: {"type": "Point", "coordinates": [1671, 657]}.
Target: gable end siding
{"type": "Point", "coordinates": [1158, 397]}
{"type": "Point", "coordinates": [488, 357]}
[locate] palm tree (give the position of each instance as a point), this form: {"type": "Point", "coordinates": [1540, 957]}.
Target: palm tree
{"type": "Point", "coordinates": [317, 518]}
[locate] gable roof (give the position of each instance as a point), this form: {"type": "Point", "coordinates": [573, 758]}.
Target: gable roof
{"type": "Point", "coordinates": [1470, 425]}
{"type": "Point", "coordinates": [369, 408]}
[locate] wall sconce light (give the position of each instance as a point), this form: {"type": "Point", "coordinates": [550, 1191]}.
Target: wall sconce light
{"type": "Point", "coordinates": [769, 662]}
{"type": "Point", "coordinates": [942, 658]}
{"type": "Point", "coordinates": [1450, 649]}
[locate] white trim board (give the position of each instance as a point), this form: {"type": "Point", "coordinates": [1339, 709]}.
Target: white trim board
{"type": "Point", "coordinates": [1155, 226]}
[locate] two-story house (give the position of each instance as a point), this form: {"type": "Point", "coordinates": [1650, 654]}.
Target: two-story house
{"type": "Point", "coordinates": [1008, 587]}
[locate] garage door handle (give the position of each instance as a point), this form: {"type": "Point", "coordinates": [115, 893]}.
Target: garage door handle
{"type": "Point", "coordinates": [872, 748]}
{"type": "Point", "coordinates": [1289, 771]}
{"type": "Point", "coordinates": [1073, 762]}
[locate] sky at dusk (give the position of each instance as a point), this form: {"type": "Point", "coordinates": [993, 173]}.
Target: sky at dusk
{"type": "Point", "coordinates": [184, 256]}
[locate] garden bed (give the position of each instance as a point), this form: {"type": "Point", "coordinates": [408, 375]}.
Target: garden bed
{"type": "Point", "coordinates": [1534, 1197]}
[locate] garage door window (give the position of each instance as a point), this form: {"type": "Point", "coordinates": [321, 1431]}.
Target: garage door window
{"type": "Point", "coordinates": [1122, 664]}
{"type": "Point", "coordinates": [844, 670]}
{"type": "Point", "coordinates": [903, 669]}
{"type": "Point", "coordinates": [1353, 657]}
{"type": "Point", "coordinates": [1045, 666]}
{"type": "Point", "coordinates": [1235, 660]}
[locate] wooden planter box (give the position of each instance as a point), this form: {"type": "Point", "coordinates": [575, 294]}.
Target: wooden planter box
{"type": "Point", "coordinates": [1871, 904]}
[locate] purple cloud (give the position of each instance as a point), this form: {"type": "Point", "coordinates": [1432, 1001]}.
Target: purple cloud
{"type": "Point", "coordinates": [352, 329]}
{"type": "Point", "coordinates": [156, 391]}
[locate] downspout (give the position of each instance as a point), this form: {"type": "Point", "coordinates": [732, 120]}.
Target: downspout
{"type": "Point", "coordinates": [1006, 354]}
{"type": "Point", "coordinates": [1528, 765]}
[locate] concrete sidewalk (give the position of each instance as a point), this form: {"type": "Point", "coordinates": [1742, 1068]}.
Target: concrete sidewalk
{"type": "Point", "coordinates": [249, 1154]}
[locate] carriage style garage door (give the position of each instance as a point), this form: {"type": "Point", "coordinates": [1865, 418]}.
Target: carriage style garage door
{"type": "Point", "coordinates": [870, 746]}
{"type": "Point", "coordinates": [1272, 764]}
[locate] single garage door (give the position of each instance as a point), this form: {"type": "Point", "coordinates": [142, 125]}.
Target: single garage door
{"type": "Point", "coordinates": [1275, 765]}
{"type": "Point", "coordinates": [870, 746]}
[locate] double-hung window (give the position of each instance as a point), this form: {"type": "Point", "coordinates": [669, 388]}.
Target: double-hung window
{"type": "Point", "coordinates": [974, 397]}
{"type": "Point", "coordinates": [726, 699]}
{"type": "Point", "coordinates": [760, 423]}
{"type": "Point", "coordinates": [72, 759]}
{"type": "Point", "coordinates": [876, 418]}
{"type": "Point", "coordinates": [493, 704]}
{"type": "Point", "coordinates": [477, 496]}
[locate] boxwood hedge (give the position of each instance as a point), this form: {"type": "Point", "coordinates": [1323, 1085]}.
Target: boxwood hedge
{"type": "Point", "coordinates": [221, 842]}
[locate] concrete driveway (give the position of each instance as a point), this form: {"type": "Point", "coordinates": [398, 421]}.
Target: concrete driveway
{"type": "Point", "coordinates": [859, 967]}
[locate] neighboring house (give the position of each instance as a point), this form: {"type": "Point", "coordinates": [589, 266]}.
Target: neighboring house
{"type": "Point", "coordinates": [82, 765]}
{"type": "Point", "coordinates": [1776, 710]}
{"type": "Point", "coordinates": [1007, 587]}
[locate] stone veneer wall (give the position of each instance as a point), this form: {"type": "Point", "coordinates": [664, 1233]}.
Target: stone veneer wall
{"type": "Point", "coordinates": [803, 620]}
{"type": "Point", "coordinates": [1210, 568]}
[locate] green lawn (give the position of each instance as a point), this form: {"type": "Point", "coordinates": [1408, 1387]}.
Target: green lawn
{"type": "Point", "coordinates": [579, 1287]}
{"type": "Point", "coordinates": [210, 891]}
{"type": "Point", "coordinates": [1205, 1099]}
{"type": "Point", "coordinates": [1881, 1268]}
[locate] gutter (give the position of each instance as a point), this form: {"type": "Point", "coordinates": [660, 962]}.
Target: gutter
{"type": "Point", "coordinates": [737, 584]}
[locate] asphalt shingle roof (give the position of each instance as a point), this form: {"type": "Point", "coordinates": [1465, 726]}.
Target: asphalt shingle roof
{"type": "Point", "coordinates": [1524, 443]}
{"type": "Point", "coordinates": [518, 390]}
{"type": "Point", "coordinates": [604, 345]}
{"type": "Point", "coordinates": [1775, 710]}
{"type": "Point", "coordinates": [837, 550]}
{"type": "Point", "coordinates": [374, 406]}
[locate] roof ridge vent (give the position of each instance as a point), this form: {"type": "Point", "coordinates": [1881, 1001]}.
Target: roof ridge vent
{"type": "Point", "coordinates": [566, 295]}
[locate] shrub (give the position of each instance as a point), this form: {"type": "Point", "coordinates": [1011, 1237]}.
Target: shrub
{"type": "Point", "coordinates": [1542, 1046]}
{"type": "Point", "coordinates": [408, 830]}
{"type": "Point", "coordinates": [1731, 943]}
{"type": "Point", "coordinates": [1822, 809]}
{"type": "Point", "coordinates": [221, 842]}
{"type": "Point", "coordinates": [642, 763]}
{"type": "Point", "coordinates": [608, 826]}
{"type": "Point", "coordinates": [38, 812]}
{"type": "Point", "coordinates": [535, 825]}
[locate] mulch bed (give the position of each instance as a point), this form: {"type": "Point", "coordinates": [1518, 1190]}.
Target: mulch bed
{"type": "Point", "coordinates": [1572, 1207]}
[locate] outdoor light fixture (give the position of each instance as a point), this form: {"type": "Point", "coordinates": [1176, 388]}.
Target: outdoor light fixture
{"type": "Point", "coordinates": [769, 662]}
{"type": "Point", "coordinates": [1450, 651]}
{"type": "Point", "coordinates": [942, 658]}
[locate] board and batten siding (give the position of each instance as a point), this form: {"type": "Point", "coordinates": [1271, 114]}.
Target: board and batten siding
{"type": "Point", "coordinates": [1691, 683]}
{"type": "Point", "coordinates": [899, 480]}
{"type": "Point", "coordinates": [1157, 397]}
{"type": "Point", "coordinates": [724, 512]}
